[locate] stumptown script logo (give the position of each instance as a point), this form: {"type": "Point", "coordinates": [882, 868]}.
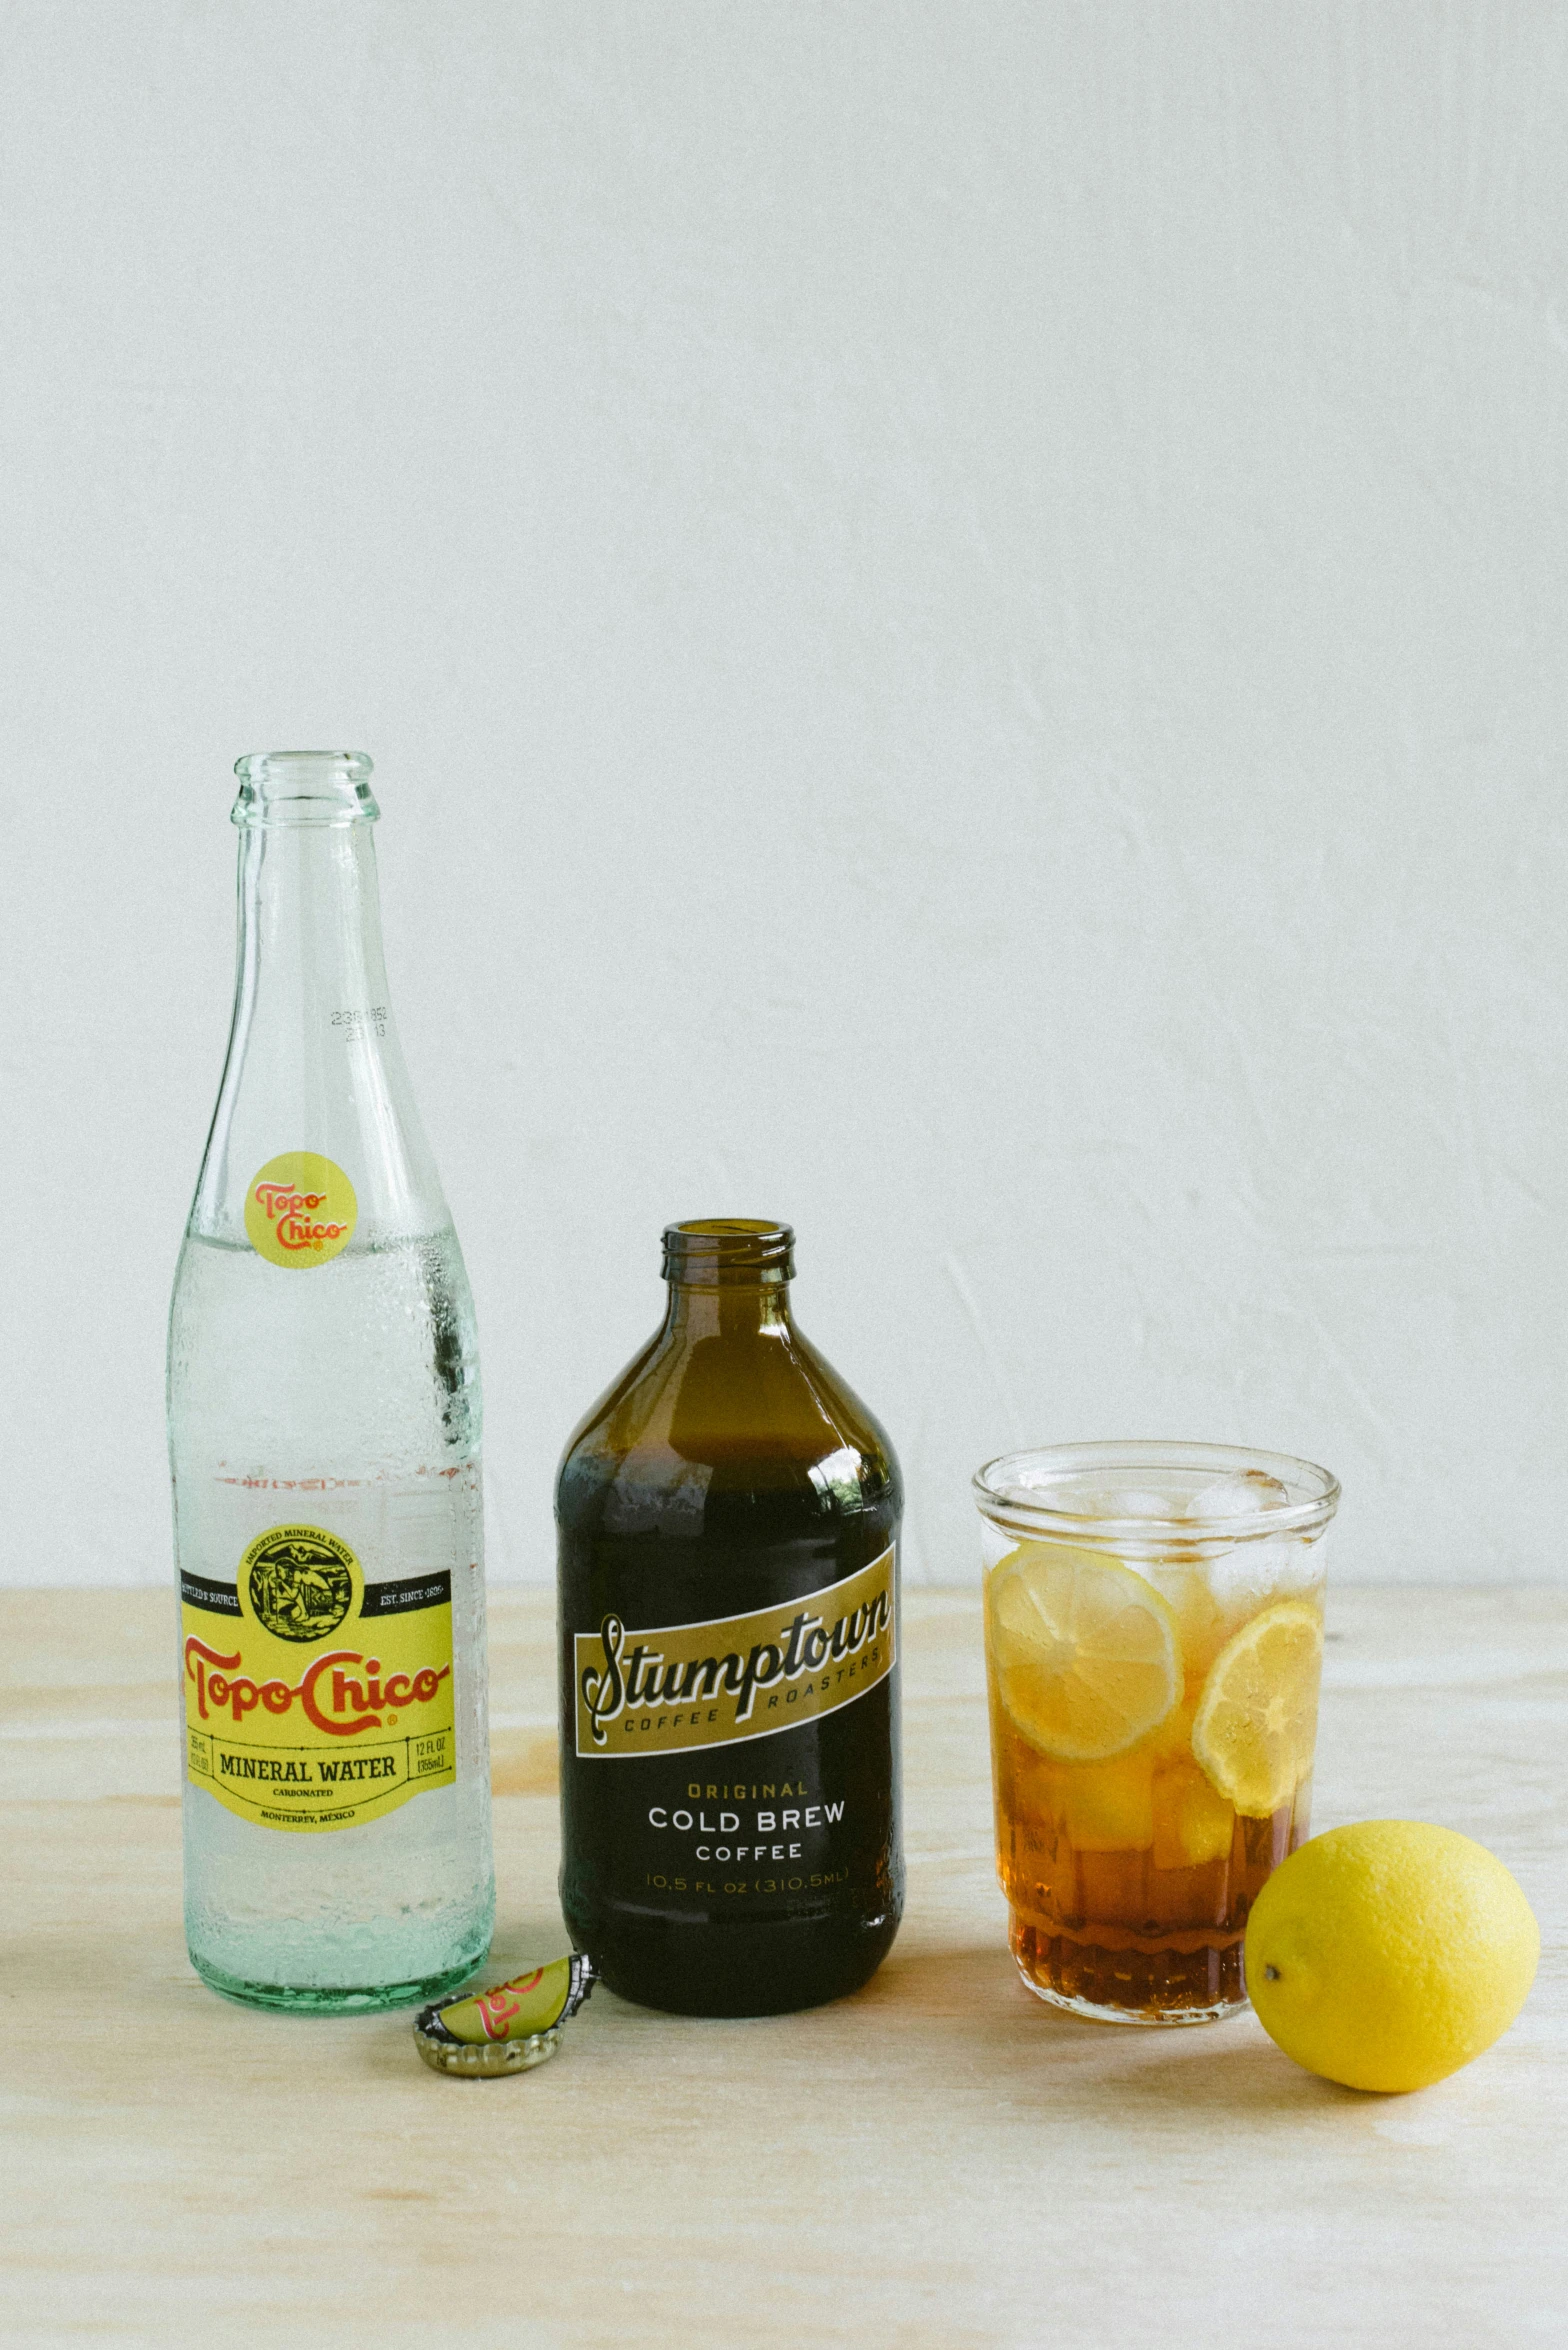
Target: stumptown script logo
{"type": "Point", "coordinates": [677, 1686]}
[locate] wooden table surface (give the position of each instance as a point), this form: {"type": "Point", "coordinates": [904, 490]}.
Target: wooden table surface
{"type": "Point", "coordinates": [937, 2164]}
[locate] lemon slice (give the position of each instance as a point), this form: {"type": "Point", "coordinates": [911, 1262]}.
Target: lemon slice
{"type": "Point", "coordinates": [1258, 1714]}
{"type": "Point", "coordinates": [1086, 1655]}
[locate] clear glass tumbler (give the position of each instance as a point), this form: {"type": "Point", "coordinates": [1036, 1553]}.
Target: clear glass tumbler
{"type": "Point", "coordinates": [1154, 1644]}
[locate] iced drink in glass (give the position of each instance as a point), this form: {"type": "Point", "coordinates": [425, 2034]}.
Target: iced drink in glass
{"type": "Point", "coordinates": [1154, 1642]}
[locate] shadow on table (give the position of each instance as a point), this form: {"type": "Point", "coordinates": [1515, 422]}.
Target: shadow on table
{"type": "Point", "coordinates": [988, 2016]}
{"type": "Point", "coordinates": [959, 2007]}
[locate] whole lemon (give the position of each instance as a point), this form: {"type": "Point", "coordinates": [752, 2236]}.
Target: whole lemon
{"type": "Point", "coordinates": [1388, 1954]}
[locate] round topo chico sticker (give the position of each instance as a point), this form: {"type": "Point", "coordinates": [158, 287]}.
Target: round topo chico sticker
{"type": "Point", "coordinates": [300, 1210]}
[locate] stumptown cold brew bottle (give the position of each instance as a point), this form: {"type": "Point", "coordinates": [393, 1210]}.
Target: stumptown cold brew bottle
{"type": "Point", "coordinates": [324, 1439]}
{"type": "Point", "coordinates": [728, 1519]}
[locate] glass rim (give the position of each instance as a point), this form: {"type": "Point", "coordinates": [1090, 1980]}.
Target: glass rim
{"type": "Point", "coordinates": [330, 788]}
{"type": "Point", "coordinates": [1316, 1489]}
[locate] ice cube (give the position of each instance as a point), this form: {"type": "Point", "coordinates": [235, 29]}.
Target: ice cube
{"type": "Point", "coordinates": [1240, 1494]}
{"type": "Point", "coordinates": [1255, 1573]}
{"type": "Point", "coordinates": [1141, 1505]}
{"type": "Point", "coordinates": [1186, 1591]}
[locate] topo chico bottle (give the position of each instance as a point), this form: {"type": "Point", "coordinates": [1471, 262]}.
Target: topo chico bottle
{"type": "Point", "coordinates": [728, 1527]}
{"type": "Point", "coordinates": [324, 1442]}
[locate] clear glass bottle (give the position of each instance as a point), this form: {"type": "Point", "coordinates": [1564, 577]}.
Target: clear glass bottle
{"type": "Point", "coordinates": [324, 1426]}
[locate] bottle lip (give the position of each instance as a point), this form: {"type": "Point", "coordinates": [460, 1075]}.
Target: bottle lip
{"type": "Point", "coordinates": [304, 787]}
{"type": "Point", "coordinates": [725, 1251]}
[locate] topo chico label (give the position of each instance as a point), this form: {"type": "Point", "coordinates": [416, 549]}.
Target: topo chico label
{"type": "Point", "coordinates": [678, 1687]}
{"type": "Point", "coordinates": [300, 1210]}
{"type": "Point", "coordinates": [313, 1699]}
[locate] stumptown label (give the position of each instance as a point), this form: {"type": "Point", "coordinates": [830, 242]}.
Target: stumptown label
{"type": "Point", "coordinates": [313, 1699]}
{"type": "Point", "coordinates": [676, 1687]}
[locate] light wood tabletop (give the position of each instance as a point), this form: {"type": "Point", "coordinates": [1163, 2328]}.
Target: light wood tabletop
{"type": "Point", "coordinates": [939, 2163]}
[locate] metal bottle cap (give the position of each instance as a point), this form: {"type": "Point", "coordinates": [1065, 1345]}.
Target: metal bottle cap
{"type": "Point", "coordinates": [508, 2029]}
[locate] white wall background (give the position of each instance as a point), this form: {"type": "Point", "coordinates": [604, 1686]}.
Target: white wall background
{"type": "Point", "coordinates": [962, 612]}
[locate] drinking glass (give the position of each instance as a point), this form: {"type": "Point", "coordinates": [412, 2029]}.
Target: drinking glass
{"type": "Point", "coordinates": [1154, 1643]}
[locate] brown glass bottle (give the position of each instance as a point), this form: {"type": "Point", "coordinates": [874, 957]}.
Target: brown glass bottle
{"type": "Point", "coordinates": [728, 1521]}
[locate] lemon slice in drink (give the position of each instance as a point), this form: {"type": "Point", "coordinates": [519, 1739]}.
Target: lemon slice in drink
{"type": "Point", "coordinates": [1086, 1655]}
{"type": "Point", "coordinates": [1258, 1714]}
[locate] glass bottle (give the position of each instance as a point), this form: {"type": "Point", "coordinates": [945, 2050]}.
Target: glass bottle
{"type": "Point", "coordinates": [728, 1521]}
{"type": "Point", "coordinates": [324, 1423]}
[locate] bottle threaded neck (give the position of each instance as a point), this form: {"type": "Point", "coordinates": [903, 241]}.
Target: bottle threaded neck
{"type": "Point", "coordinates": [304, 787]}
{"type": "Point", "coordinates": [723, 1252]}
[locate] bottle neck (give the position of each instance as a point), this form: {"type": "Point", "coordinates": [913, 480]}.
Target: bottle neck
{"type": "Point", "coordinates": [310, 933]}
{"type": "Point", "coordinates": [314, 1064]}
{"type": "Point", "coordinates": [731, 1309]}
{"type": "Point", "coordinates": [310, 908]}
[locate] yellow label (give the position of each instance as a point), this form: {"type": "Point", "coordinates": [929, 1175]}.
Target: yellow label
{"type": "Point", "coordinates": [300, 1210]}
{"type": "Point", "coordinates": [679, 1686]}
{"type": "Point", "coordinates": [314, 1700]}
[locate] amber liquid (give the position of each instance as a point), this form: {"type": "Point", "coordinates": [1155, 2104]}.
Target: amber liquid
{"type": "Point", "coordinates": [1129, 1882]}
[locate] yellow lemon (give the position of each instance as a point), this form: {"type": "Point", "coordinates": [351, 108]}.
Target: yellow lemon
{"type": "Point", "coordinates": [1258, 1714]}
{"type": "Point", "coordinates": [1085, 1651]}
{"type": "Point", "coordinates": [1388, 1954]}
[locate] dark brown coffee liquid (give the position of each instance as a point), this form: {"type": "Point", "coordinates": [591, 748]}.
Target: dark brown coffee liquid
{"type": "Point", "coordinates": [732, 1846]}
